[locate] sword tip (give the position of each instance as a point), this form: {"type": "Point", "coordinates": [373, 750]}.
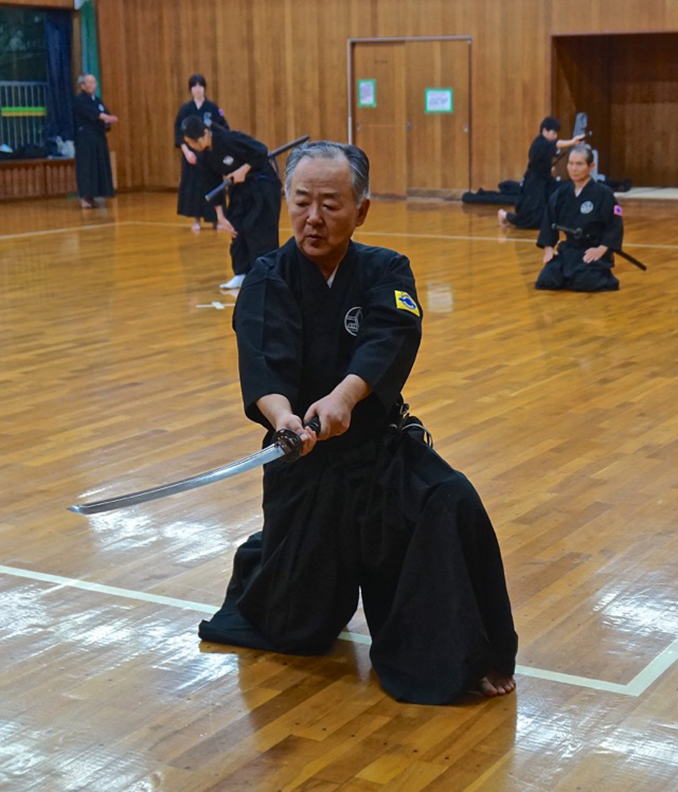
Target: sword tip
{"type": "Point", "coordinates": [77, 509]}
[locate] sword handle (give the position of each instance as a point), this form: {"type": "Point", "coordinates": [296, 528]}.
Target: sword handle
{"type": "Point", "coordinates": [290, 442]}
{"type": "Point", "coordinates": [314, 424]}
{"type": "Point", "coordinates": [212, 194]}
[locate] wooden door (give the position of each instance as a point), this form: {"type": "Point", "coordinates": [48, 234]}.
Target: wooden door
{"type": "Point", "coordinates": [438, 133]}
{"type": "Point", "coordinates": [416, 146]}
{"type": "Point", "coordinates": [380, 128]}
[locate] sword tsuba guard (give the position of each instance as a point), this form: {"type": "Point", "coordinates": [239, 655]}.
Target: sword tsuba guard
{"type": "Point", "coordinates": [290, 442]}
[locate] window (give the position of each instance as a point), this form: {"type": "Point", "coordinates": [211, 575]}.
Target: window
{"type": "Point", "coordinates": [23, 82]}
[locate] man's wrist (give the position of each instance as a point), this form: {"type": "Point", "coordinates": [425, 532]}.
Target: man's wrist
{"type": "Point", "coordinates": [275, 408]}
{"type": "Point", "coordinates": [351, 390]}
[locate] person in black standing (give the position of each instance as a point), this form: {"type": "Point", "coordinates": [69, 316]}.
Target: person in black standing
{"type": "Point", "coordinates": [590, 211]}
{"type": "Point", "coordinates": [92, 160]}
{"type": "Point", "coordinates": [255, 195]}
{"type": "Point", "coordinates": [328, 329]}
{"type": "Point", "coordinates": [538, 182]}
{"type": "Point", "coordinates": [193, 185]}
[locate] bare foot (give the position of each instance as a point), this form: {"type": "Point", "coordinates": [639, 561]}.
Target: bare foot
{"type": "Point", "coordinates": [87, 204]}
{"type": "Point", "coordinates": [496, 684]}
{"type": "Point", "coordinates": [501, 219]}
{"type": "Point", "coordinates": [196, 226]}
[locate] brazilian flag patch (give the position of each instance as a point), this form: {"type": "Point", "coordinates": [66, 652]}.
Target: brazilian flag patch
{"type": "Point", "coordinates": [406, 303]}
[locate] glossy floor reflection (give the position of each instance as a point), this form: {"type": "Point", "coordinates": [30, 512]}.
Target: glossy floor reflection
{"type": "Point", "coordinates": [120, 372]}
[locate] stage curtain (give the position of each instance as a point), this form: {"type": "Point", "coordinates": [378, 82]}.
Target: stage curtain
{"type": "Point", "coordinates": [90, 41]}
{"type": "Point", "coordinates": [58, 34]}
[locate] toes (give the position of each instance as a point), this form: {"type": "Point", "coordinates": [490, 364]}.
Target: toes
{"type": "Point", "coordinates": [496, 685]}
{"type": "Point", "coordinates": [487, 688]}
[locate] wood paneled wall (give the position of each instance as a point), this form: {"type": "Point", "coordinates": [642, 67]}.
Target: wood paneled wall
{"type": "Point", "coordinates": [628, 85]}
{"type": "Point", "coordinates": [36, 178]}
{"type": "Point", "coordinates": [278, 67]}
{"type": "Point", "coordinates": [581, 82]}
{"type": "Point", "coordinates": [644, 108]}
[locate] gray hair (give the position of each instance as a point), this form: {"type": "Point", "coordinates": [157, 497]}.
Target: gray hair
{"type": "Point", "coordinates": [581, 148]}
{"type": "Point", "coordinates": [82, 77]}
{"type": "Point", "coordinates": [326, 149]}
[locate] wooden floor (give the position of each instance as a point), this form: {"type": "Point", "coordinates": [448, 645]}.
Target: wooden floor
{"type": "Point", "coordinates": [119, 372]}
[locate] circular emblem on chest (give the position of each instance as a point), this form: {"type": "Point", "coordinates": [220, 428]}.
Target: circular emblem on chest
{"type": "Point", "coordinates": [586, 207]}
{"type": "Point", "coordinates": [352, 320]}
{"type": "Point", "coordinates": [228, 160]}
{"type": "Point", "coordinates": [101, 108]}
{"type": "Point", "coordinates": [207, 118]}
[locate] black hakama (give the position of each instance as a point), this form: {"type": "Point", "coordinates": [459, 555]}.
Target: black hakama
{"type": "Point", "coordinates": [596, 213]}
{"type": "Point", "coordinates": [254, 205]}
{"type": "Point", "coordinates": [194, 184]}
{"type": "Point", "coordinates": [374, 510]}
{"type": "Point", "coordinates": [537, 186]}
{"type": "Point", "coordinates": [92, 160]}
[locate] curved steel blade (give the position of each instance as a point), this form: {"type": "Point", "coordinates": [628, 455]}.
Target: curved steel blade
{"type": "Point", "coordinates": [262, 457]}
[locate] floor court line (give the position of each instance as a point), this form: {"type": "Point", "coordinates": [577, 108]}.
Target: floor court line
{"type": "Point", "coordinates": [399, 234]}
{"type": "Point", "coordinates": [58, 230]}
{"type": "Point", "coordinates": [502, 240]}
{"type": "Point", "coordinates": [635, 688]}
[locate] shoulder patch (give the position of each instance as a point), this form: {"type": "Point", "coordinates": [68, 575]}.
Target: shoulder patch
{"type": "Point", "coordinates": [404, 302]}
{"type": "Point", "coordinates": [618, 210]}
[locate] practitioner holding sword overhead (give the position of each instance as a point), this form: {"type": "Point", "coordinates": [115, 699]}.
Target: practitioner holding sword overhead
{"type": "Point", "coordinates": [538, 182]}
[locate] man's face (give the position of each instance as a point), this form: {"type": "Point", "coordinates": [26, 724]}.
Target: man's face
{"type": "Point", "coordinates": [323, 210]}
{"type": "Point", "coordinates": [578, 168]}
{"type": "Point", "coordinates": [201, 143]}
{"type": "Point", "coordinates": [550, 134]}
{"type": "Point", "coordinates": [89, 84]}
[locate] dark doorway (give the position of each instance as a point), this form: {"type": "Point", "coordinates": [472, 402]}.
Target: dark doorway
{"type": "Point", "coordinates": [628, 86]}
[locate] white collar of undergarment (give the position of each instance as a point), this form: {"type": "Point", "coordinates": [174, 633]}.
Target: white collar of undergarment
{"type": "Point", "coordinates": [330, 280]}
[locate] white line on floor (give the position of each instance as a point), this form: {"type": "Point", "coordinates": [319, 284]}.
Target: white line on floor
{"type": "Point", "coordinates": [400, 234]}
{"type": "Point", "coordinates": [522, 240]}
{"type": "Point", "coordinates": [651, 673]}
{"type": "Point", "coordinates": [58, 230]}
{"type": "Point", "coordinates": [636, 687]}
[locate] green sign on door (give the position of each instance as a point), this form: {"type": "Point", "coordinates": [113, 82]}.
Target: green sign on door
{"type": "Point", "coordinates": [439, 100]}
{"type": "Point", "coordinates": [367, 93]}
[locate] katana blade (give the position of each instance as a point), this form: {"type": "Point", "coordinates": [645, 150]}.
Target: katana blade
{"type": "Point", "coordinates": [285, 444]}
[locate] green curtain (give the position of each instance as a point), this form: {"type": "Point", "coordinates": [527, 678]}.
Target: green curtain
{"type": "Point", "coordinates": [89, 40]}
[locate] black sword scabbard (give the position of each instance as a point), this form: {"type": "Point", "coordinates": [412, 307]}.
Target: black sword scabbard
{"type": "Point", "coordinates": [577, 233]}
